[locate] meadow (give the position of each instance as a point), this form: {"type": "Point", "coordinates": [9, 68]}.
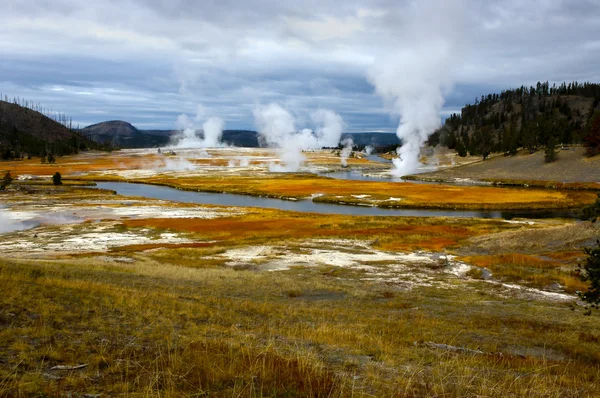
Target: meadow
{"type": "Point", "coordinates": [138, 297]}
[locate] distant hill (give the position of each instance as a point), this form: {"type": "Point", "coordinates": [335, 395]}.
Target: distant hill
{"type": "Point", "coordinates": [120, 134]}
{"type": "Point", "coordinates": [24, 132]}
{"type": "Point", "coordinates": [525, 117]}
{"type": "Point", "coordinates": [241, 138]}
{"type": "Point", "coordinates": [124, 135]}
{"type": "Point", "coordinates": [376, 140]}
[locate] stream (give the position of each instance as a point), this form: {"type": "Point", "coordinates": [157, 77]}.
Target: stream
{"type": "Point", "coordinates": [307, 205]}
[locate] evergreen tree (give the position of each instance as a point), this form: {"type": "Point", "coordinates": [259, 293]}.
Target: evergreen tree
{"type": "Point", "coordinates": [592, 139]}
{"type": "Point", "coordinates": [591, 212]}
{"type": "Point", "coordinates": [57, 178]}
{"type": "Point", "coordinates": [460, 149]}
{"type": "Point", "coordinates": [590, 272]}
{"type": "Point", "coordinates": [550, 153]}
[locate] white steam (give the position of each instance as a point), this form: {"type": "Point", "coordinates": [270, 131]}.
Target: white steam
{"type": "Point", "coordinates": [212, 131]}
{"type": "Point", "coordinates": [277, 127]}
{"type": "Point", "coordinates": [329, 127]}
{"type": "Point", "coordinates": [9, 224]}
{"type": "Point", "coordinates": [179, 163]}
{"type": "Point", "coordinates": [414, 80]}
{"type": "Point", "coordinates": [346, 151]}
{"type": "Point", "coordinates": [241, 161]}
{"type": "Point", "coordinates": [368, 150]}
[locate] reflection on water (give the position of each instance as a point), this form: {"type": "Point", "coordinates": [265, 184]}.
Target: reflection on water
{"type": "Point", "coordinates": [225, 199]}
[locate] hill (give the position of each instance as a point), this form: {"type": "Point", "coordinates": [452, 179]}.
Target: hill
{"type": "Point", "coordinates": [120, 134]}
{"type": "Point", "coordinates": [528, 117]}
{"type": "Point", "coordinates": [24, 132]}
{"type": "Point", "coordinates": [376, 140]}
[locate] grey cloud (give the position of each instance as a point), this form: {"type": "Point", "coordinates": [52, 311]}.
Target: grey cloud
{"type": "Point", "coordinates": [148, 61]}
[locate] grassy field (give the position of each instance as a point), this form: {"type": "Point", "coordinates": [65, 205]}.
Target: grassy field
{"type": "Point", "coordinates": [138, 297]}
{"type": "Point", "coordinates": [217, 331]}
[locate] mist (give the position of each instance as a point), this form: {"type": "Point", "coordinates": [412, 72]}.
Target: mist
{"type": "Point", "coordinates": [9, 224]}
{"type": "Point", "coordinates": [277, 126]}
{"type": "Point", "coordinates": [346, 151]}
{"type": "Point", "coordinates": [179, 163]}
{"type": "Point", "coordinates": [415, 79]}
{"type": "Point", "coordinates": [212, 131]}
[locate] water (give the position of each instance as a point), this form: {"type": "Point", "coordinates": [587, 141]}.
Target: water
{"type": "Point", "coordinates": [377, 158]}
{"type": "Point", "coordinates": [226, 199]}
{"type": "Point", "coordinates": [357, 175]}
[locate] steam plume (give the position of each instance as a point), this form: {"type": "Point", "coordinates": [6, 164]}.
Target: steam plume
{"type": "Point", "coordinates": [212, 131]}
{"type": "Point", "coordinates": [346, 151]}
{"type": "Point", "coordinates": [414, 81]}
{"type": "Point", "coordinates": [278, 128]}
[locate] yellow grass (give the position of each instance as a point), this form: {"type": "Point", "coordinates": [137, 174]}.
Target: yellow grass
{"type": "Point", "coordinates": [220, 332]}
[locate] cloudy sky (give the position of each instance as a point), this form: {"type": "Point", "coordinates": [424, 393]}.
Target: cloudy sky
{"type": "Point", "coordinates": [148, 61]}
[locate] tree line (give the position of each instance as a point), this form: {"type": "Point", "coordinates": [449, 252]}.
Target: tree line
{"type": "Point", "coordinates": [27, 129]}
{"type": "Point", "coordinates": [537, 117]}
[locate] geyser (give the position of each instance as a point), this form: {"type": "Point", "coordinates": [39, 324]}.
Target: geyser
{"type": "Point", "coordinates": [414, 80]}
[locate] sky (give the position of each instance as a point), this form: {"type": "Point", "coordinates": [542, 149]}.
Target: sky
{"type": "Point", "coordinates": [149, 61]}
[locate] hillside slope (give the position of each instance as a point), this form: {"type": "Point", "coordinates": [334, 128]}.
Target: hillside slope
{"type": "Point", "coordinates": [24, 131]}
{"type": "Point", "coordinates": [571, 167]}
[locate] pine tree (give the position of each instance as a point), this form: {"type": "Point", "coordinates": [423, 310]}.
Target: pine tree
{"type": "Point", "coordinates": [460, 149]}
{"type": "Point", "coordinates": [592, 139]}
{"type": "Point", "coordinates": [550, 153]}
{"type": "Point", "coordinates": [590, 272]}
{"type": "Point", "coordinates": [57, 178]}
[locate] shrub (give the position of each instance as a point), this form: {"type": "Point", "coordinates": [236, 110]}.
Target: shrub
{"type": "Point", "coordinates": [590, 272]}
{"type": "Point", "coordinates": [6, 180]}
{"type": "Point", "coordinates": [57, 178]}
{"type": "Point", "coordinates": [591, 212]}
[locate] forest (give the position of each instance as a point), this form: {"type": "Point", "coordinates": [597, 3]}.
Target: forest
{"type": "Point", "coordinates": [533, 118]}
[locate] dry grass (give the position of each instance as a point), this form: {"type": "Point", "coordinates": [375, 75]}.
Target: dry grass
{"type": "Point", "coordinates": [538, 256]}
{"type": "Point", "coordinates": [537, 239]}
{"type": "Point", "coordinates": [531, 270]}
{"type": "Point", "coordinates": [152, 328]}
